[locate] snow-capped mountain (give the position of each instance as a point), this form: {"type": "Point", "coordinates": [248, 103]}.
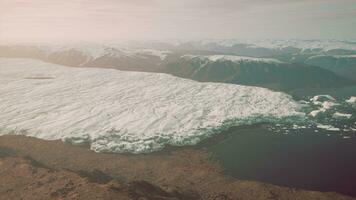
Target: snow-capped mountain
{"type": "Point", "coordinates": [277, 64]}
{"type": "Point", "coordinates": [265, 72]}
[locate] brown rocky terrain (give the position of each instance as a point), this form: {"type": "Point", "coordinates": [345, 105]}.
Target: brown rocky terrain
{"type": "Point", "coordinates": [23, 178]}
{"type": "Point", "coordinates": [36, 169]}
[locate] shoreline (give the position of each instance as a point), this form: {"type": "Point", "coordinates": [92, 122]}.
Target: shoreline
{"type": "Point", "coordinates": [184, 170]}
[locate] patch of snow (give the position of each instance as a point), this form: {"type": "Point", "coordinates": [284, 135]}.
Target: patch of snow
{"type": "Point", "coordinates": [233, 58]}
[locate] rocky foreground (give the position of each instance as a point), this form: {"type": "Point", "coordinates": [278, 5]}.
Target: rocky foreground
{"type": "Point", "coordinates": [36, 169]}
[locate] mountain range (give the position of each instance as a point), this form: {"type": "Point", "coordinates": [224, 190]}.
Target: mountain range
{"type": "Point", "coordinates": [280, 65]}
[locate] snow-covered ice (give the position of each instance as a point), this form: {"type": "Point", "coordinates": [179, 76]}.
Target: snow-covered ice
{"type": "Point", "coordinates": [117, 111]}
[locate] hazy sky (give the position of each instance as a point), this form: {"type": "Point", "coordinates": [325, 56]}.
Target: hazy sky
{"type": "Point", "coordinates": [73, 20]}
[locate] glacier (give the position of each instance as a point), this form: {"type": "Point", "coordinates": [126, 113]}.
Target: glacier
{"type": "Point", "coordinates": [120, 111]}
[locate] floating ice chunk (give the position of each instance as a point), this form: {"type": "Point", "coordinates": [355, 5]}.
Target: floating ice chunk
{"type": "Point", "coordinates": [295, 126]}
{"type": "Point", "coordinates": [321, 98]}
{"type": "Point", "coordinates": [324, 102]}
{"type": "Point", "coordinates": [327, 127]}
{"type": "Point", "coordinates": [352, 101]}
{"type": "Point", "coordinates": [328, 104]}
{"type": "Point", "coordinates": [339, 115]}
{"type": "Point", "coordinates": [315, 113]}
